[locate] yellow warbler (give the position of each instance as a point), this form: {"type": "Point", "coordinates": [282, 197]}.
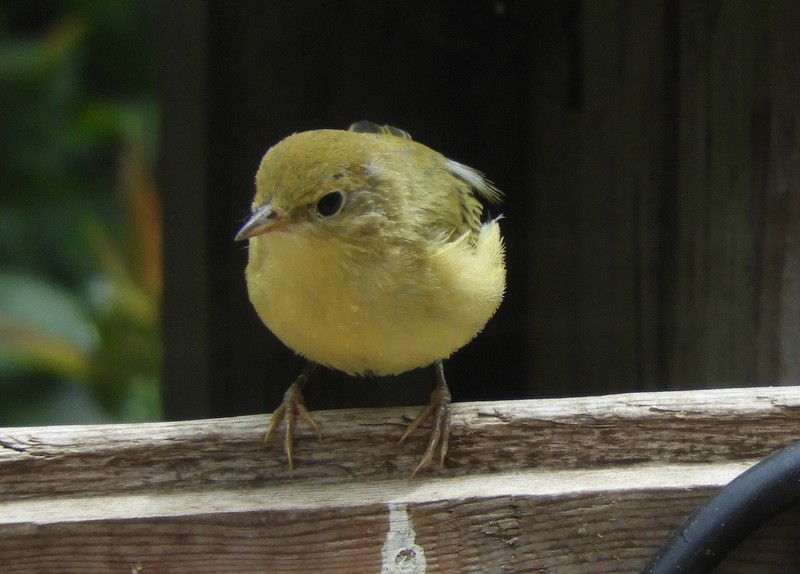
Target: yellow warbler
{"type": "Point", "coordinates": [368, 255]}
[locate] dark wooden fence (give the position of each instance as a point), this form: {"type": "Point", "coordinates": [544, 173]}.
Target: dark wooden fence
{"type": "Point", "coordinates": [648, 150]}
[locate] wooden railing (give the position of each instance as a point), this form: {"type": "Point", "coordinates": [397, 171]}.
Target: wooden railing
{"type": "Point", "coordinates": [576, 485]}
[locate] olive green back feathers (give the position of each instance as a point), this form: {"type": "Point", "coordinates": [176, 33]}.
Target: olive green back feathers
{"type": "Point", "coordinates": [467, 181]}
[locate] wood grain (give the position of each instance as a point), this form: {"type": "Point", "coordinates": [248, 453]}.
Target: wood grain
{"type": "Point", "coordinates": [586, 485]}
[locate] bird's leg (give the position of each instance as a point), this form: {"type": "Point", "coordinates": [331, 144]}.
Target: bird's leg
{"type": "Point", "coordinates": [293, 404]}
{"type": "Point", "coordinates": [439, 410]}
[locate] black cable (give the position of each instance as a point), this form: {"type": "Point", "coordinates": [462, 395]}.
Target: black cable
{"type": "Point", "coordinates": [717, 527]}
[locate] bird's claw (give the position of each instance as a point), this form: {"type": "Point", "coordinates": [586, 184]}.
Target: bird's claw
{"type": "Point", "coordinates": [439, 410]}
{"type": "Point", "coordinates": [293, 405]}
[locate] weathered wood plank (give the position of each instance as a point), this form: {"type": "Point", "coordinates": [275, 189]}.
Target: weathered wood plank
{"type": "Point", "coordinates": [504, 436]}
{"type": "Point", "coordinates": [475, 524]}
{"type": "Point", "coordinates": [584, 485]}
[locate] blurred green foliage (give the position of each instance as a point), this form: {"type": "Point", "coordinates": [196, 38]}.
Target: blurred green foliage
{"type": "Point", "coordinates": [80, 219]}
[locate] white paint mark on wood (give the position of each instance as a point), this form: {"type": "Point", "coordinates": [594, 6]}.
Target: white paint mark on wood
{"type": "Point", "coordinates": [400, 555]}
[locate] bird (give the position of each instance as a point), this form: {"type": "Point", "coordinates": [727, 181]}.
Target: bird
{"type": "Point", "coordinates": [369, 254]}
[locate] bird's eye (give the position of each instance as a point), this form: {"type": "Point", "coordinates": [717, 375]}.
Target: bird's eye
{"type": "Point", "coordinates": [330, 203]}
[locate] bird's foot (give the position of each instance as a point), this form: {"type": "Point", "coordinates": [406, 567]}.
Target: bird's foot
{"type": "Point", "coordinates": [438, 409]}
{"type": "Point", "coordinates": [293, 405]}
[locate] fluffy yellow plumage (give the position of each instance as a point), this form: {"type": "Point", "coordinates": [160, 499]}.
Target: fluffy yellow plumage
{"type": "Point", "coordinates": [368, 255]}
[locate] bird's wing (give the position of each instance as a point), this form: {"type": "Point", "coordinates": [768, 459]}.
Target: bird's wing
{"type": "Point", "coordinates": [468, 185]}
{"type": "Point", "coordinates": [367, 127]}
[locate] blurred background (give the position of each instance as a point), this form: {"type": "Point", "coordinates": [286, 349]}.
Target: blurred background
{"type": "Point", "coordinates": [649, 153]}
{"type": "Point", "coordinates": [80, 219]}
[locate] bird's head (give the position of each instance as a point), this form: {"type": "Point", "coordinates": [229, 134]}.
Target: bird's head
{"type": "Point", "coordinates": [325, 184]}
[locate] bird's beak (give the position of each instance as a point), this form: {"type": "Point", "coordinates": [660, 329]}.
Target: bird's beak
{"type": "Point", "coordinates": [264, 219]}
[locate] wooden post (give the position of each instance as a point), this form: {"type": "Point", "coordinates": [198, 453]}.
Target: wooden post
{"type": "Point", "coordinates": [576, 485]}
